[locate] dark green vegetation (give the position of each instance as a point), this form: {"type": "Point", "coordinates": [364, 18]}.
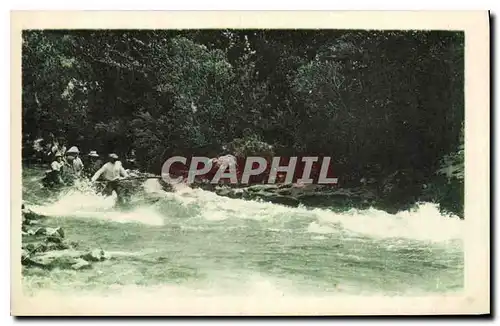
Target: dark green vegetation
{"type": "Point", "coordinates": [386, 106]}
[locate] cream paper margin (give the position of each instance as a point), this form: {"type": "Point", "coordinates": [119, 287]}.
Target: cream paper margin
{"type": "Point", "coordinates": [476, 296]}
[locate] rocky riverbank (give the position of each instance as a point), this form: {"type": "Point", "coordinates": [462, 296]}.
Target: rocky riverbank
{"type": "Point", "coordinates": [308, 195]}
{"type": "Point", "coordinates": [393, 193]}
{"type": "Point", "coordinates": [47, 247]}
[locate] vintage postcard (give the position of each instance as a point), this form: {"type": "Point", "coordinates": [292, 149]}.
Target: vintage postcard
{"type": "Point", "coordinates": [250, 163]}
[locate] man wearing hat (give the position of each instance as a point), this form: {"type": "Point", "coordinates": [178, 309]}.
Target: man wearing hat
{"type": "Point", "coordinates": [94, 163]}
{"type": "Point", "coordinates": [74, 162]}
{"type": "Point", "coordinates": [54, 177]}
{"type": "Point", "coordinates": [111, 172]}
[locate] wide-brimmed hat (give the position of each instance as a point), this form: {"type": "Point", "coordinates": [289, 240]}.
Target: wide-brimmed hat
{"type": "Point", "coordinates": [73, 150]}
{"type": "Point", "coordinates": [93, 154]}
{"type": "Point", "coordinates": [113, 155]}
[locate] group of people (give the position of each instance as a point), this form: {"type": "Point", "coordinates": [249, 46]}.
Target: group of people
{"type": "Point", "coordinates": [68, 166]}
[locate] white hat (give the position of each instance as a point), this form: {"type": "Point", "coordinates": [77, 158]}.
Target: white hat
{"type": "Point", "coordinates": [72, 150]}
{"type": "Point", "coordinates": [93, 154]}
{"type": "Point", "coordinates": [58, 154]}
{"type": "Point", "coordinates": [113, 155]}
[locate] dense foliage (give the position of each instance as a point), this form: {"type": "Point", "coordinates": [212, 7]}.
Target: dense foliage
{"type": "Point", "coordinates": [377, 102]}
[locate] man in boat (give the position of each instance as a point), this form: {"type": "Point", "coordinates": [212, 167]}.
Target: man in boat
{"type": "Point", "coordinates": [54, 176]}
{"type": "Point", "coordinates": [112, 172]}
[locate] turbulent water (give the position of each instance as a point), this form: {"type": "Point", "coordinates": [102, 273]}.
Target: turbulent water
{"type": "Point", "coordinates": [193, 242]}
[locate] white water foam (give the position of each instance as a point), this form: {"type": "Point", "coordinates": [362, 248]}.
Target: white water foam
{"type": "Point", "coordinates": [315, 227]}
{"type": "Point", "coordinates": [424, 223]}
{"type": "Point", "coordinates": [87, 204]}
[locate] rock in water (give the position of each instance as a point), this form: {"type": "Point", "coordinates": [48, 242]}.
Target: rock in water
{"type": "Point", "coordinates": [81, 264]}
{"type": "Point", "coordinates": [29, 215]}
{"type": "Point", "coordinates": [24, 254]}
{"type": "Point", "coordinates": [56, 245]}
{"type": "Point", "coordinates": [31, 222]}
{"type": "Point", "coordinates": [51, 232]}
{"type": "Point", "coordinates": [261, 188]}
{"type": "Point", "coordinates": [223, 191]}
{"type": "Point", "coordinates": [36, 231]}
{"type": "Point", "coordinates": [58, 232]}
{"type": "Point", "coordinates": [278, 199]}
{"type": "Point", "coordinates": [95, 255]}
{"type": "Point", "coordinates": [52, 259]}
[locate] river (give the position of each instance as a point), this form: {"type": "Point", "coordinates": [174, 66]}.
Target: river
{"type": "Point", "coordinates": [193, 242]}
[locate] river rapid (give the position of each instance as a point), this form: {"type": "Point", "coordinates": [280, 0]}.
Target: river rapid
{"type": "Point", "coordinates": [192, 242]}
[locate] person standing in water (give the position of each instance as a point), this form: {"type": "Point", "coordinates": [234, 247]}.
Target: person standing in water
{"type": "Point", "coordinates": [53, 148]}
{"type": "Point", "coordinates": [112, 172]}
{"type": "Point", "coordinates": [62, 147]}
{"type": "Point", "coordinates": [131, 160]}
{"type": "Point", "coordinates": [75, 164]}
{"type": "Point", "coordinates": [54, 176]}
{"type": "Point", "coordinates": [93, 163]}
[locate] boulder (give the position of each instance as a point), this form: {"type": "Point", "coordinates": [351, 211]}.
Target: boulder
{"type": "Point", "coordinates": [81, 264]}
{"type": "Point", "coordinates": [340, 196]}
{"type": "Point", "coordinates": [55, 232]}
{"type": "Point", "coordinates": [36, 231]}
{"type": "Point", "coordinates": [24, 254]}
{"type": "Point", "coordinates": [309, 195]}
{"type": "Point", "coordinates": [285, 192]}
{"type": "Point", "coordinates": [277, 199]}
{"type": "Point", "coordinates": [35, 247]}
{"type": "Point", "coordinates": [30, 218]}
{"type": "Point", "coordinates": [30, 222]}
{"type": "Point", "coordinates": [52, 255]}
{"type": "Point", "coordinates": [95, 255]}
{"type": "Point", "coordinates": [223, 191]}
{"type": "Point", "coordinates": [236, 193]}
{"type": "Point", "coordinates": [263, 188]}
{"type": "Point", "coordinates": [53, 259]}
{"type": "Point", "coordinates": [46, 248]}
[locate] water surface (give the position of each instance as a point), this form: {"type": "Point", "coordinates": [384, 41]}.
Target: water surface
{"type": "Point", "coordinates": [194, 242]}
